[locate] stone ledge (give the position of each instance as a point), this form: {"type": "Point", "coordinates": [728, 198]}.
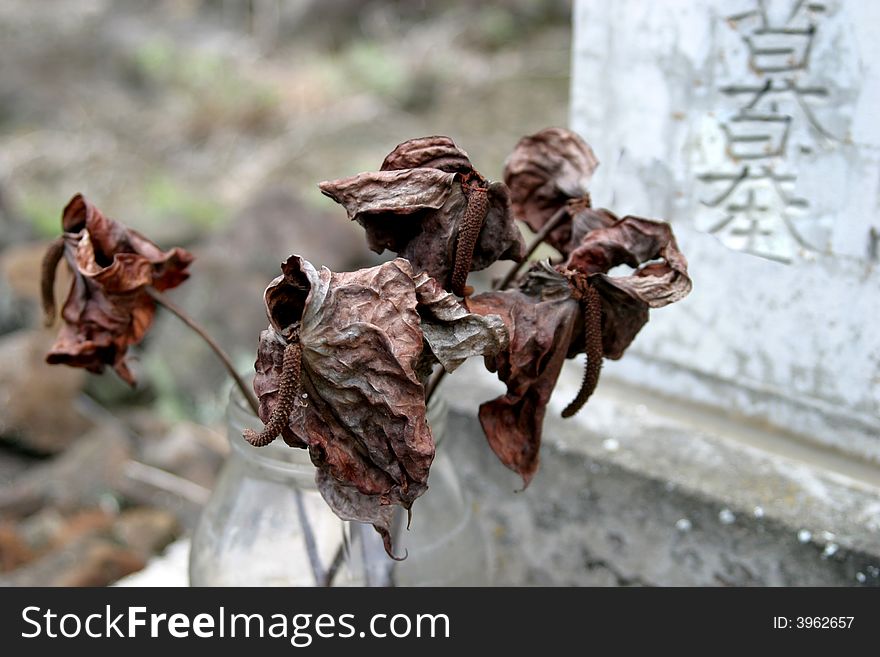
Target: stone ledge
{"type": "Point", "coordinates": [640, 490]}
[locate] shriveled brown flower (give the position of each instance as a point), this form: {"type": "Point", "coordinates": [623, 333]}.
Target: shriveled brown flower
{"type": "Point", "coordinates": [429, 205]}
{"type": "Point", "coordinates": [340, 371]}
{"type": "Point", "coordinates": [550, 172]}
{"type": "Point", "coordinates": [659, 275]}
{"type": "Point", "coordinates": [108, 307]}
{"type": "Point", "coordinates": [541, 318]}
{"type": "Point", "coordinates": [574, 308]}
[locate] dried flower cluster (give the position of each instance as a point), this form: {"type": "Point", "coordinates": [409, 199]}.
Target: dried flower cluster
{"type": "Point", "coordinates": [108, 308]}
{"type": "Point", "coordinates": [342, 368]}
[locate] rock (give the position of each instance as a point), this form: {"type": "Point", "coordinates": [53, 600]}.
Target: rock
{"type": "Point", "coordinates": [637, 491]}
{"type": "Point", "coordinates": [146, 531]}
{"type": "Point", "coordinates": [147, 485]}
{"type": "Point", "coordinates": [12, 464]}
{"type": "Point", "coordinates": [89, 547]}
{"type": "Point", "coordinates": [88, 561]}
{"type": "Point", "coordinates": [82, 523]}
{"type": "Point", "coordinates": [14, 550]}
{"type": "Point", "coordinates": [20, 303]}
{"type": "Point", "coordinates": [21, 266]}
{"type": "Point", "coordinates": [186, 449]}
{"type": "Point", "coordinates": [275, 223]}
{"type": "Point", "coordinates": [168, 569]}
{"type": "Point", "coordinates": [49, 529]}
{"type": "Point", "coordinates": [79, 477]}
{"type": "Point", "coordinates": [38, 409]}
{"type": "Point", "coordinates": [12, 228]}
{"type": "Point", "coordinates": [20, 297]}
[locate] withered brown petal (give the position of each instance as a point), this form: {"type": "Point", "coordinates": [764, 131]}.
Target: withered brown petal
{"type": "Point", "coordinates": [437, 152]}
{"type": "Point", "coordinates": [350, 504]}
{"type": "Point", "coordinates": [453, 334]}
{"type": "Point", "coordinates": [363, 334]}
{"type": "Point", "coordinates": [416, 213]}
{"type": "Point", "coordinates": [364, 418]}
{"type": "Point", "coordinates": [545, 171]}
{"type": "Point", "coordinates": [583, 221]}
{"type": "Point", "coordinates": [108, 309]}
{"type": "Point", "coordinates": [380, 200]}
{"type": "Point", "coordinates": [660, 275]}
{"type": "Point", "coordinates": [540, 318]}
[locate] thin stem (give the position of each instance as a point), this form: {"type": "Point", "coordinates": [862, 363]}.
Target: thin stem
{"type": "Point", "coordinates": [52, 257]}
{"type": "Point", "coordinates": [181, 314]}
{"type": "Point", "coordinates": [433, 382]}
{"type": "Point", "coordinates": [309, 538]}
{"type": "Point", "coordinates": [335, 565]}
{"type": "Point", "coordinates": [540, 236]}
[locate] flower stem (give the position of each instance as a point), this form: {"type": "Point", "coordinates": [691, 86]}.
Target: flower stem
{"type": "Point", "coordinates": [335, 565]}
{"type": "Point", "coordinates": [540, 236]}
{"type": "Point", "coordinates": [181, 314]}
{"type": "Point", "coordinates": [309, 536]}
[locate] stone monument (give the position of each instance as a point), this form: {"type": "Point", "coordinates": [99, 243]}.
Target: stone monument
{"type": "Point", "coordinates": [751, 126]}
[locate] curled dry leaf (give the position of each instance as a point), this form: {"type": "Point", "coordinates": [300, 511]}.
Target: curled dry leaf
{"type": "Point", "coordinates": [659, 278]}
{"type": "Point", "coordinates": [583, 220]}
{"type": "Point", "coordinates": [429, 205]}
{"type": "Point", "coordinates": [549, 172]}
{"type": "Point", "coordinates": [451, 333]}
{"type": "Point", "coordinates": [360, 410]}
{"type": "Point", "coordinates": [540, 318]}
{"type": "Point", "coordinates": [555, 315]}
{"type": "Point", "coordinates": [108, 307]}
{"type": "Point", "coordinates": [436, 152]}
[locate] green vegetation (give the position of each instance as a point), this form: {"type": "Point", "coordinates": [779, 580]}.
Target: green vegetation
{"type": "Point", "coordinates": [163, 197]}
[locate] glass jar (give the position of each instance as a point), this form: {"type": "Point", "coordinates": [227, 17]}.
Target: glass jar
{"type": "Point", "coordinates": [266, 524]}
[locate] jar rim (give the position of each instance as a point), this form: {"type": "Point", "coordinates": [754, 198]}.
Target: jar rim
{"type": "Point", "coordinates": [280, 457]}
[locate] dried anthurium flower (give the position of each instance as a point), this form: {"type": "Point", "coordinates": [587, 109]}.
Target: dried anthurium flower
{"type": "Point", "coordinates": [549, 174]}
{"type": "Point", "coordinates": [574, 308]}
{"type": "Point", "coordinates": [659, 276]}
{"type": "Point", "coordinates": [340, 371]}
{"type": "Point", "coordinates": [540, 318]}
{"type": "Point", "coordinates": [429, 205]}
{"type": "Point", "coordinates": [108, 307]}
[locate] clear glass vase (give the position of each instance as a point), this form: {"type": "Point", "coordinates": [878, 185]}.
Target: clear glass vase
{"type": "Point", "coordinates": [266, 524]}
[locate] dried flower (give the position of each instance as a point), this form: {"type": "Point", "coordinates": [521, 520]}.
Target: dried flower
{"type": "Point", "coordinates": [571, 309]}
{"type": "Point", "coordinates": [541, 317]}
{"type": "Point", "coordinates": [108, 307]}
{"type": "Point", "coordinates": [340, 371]}
{"type": "Point", "coordinates": [659, 275]}
{"type": "Point", "coordinates": [429, 205]}
{"type": "Point", "coordinates": [550, 172]}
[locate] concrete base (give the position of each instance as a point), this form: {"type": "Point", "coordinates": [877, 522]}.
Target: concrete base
{"type": "Point", "coordinates": [637, 490]}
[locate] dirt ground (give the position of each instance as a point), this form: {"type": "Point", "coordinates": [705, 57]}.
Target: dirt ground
{"type": "Point", "coordinates": [207, 124]}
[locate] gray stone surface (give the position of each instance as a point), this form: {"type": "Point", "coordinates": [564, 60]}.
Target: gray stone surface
{"type": "Point", "coordinates": [773, 195]}
{"type": "Point", "coordinates": [639, 490]}
{"type": "Point", "coordinates": [636, 490]}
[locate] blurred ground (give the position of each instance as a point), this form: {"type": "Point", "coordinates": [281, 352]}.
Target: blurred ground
{"type": "Point", "coordinates": [207, 124]}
